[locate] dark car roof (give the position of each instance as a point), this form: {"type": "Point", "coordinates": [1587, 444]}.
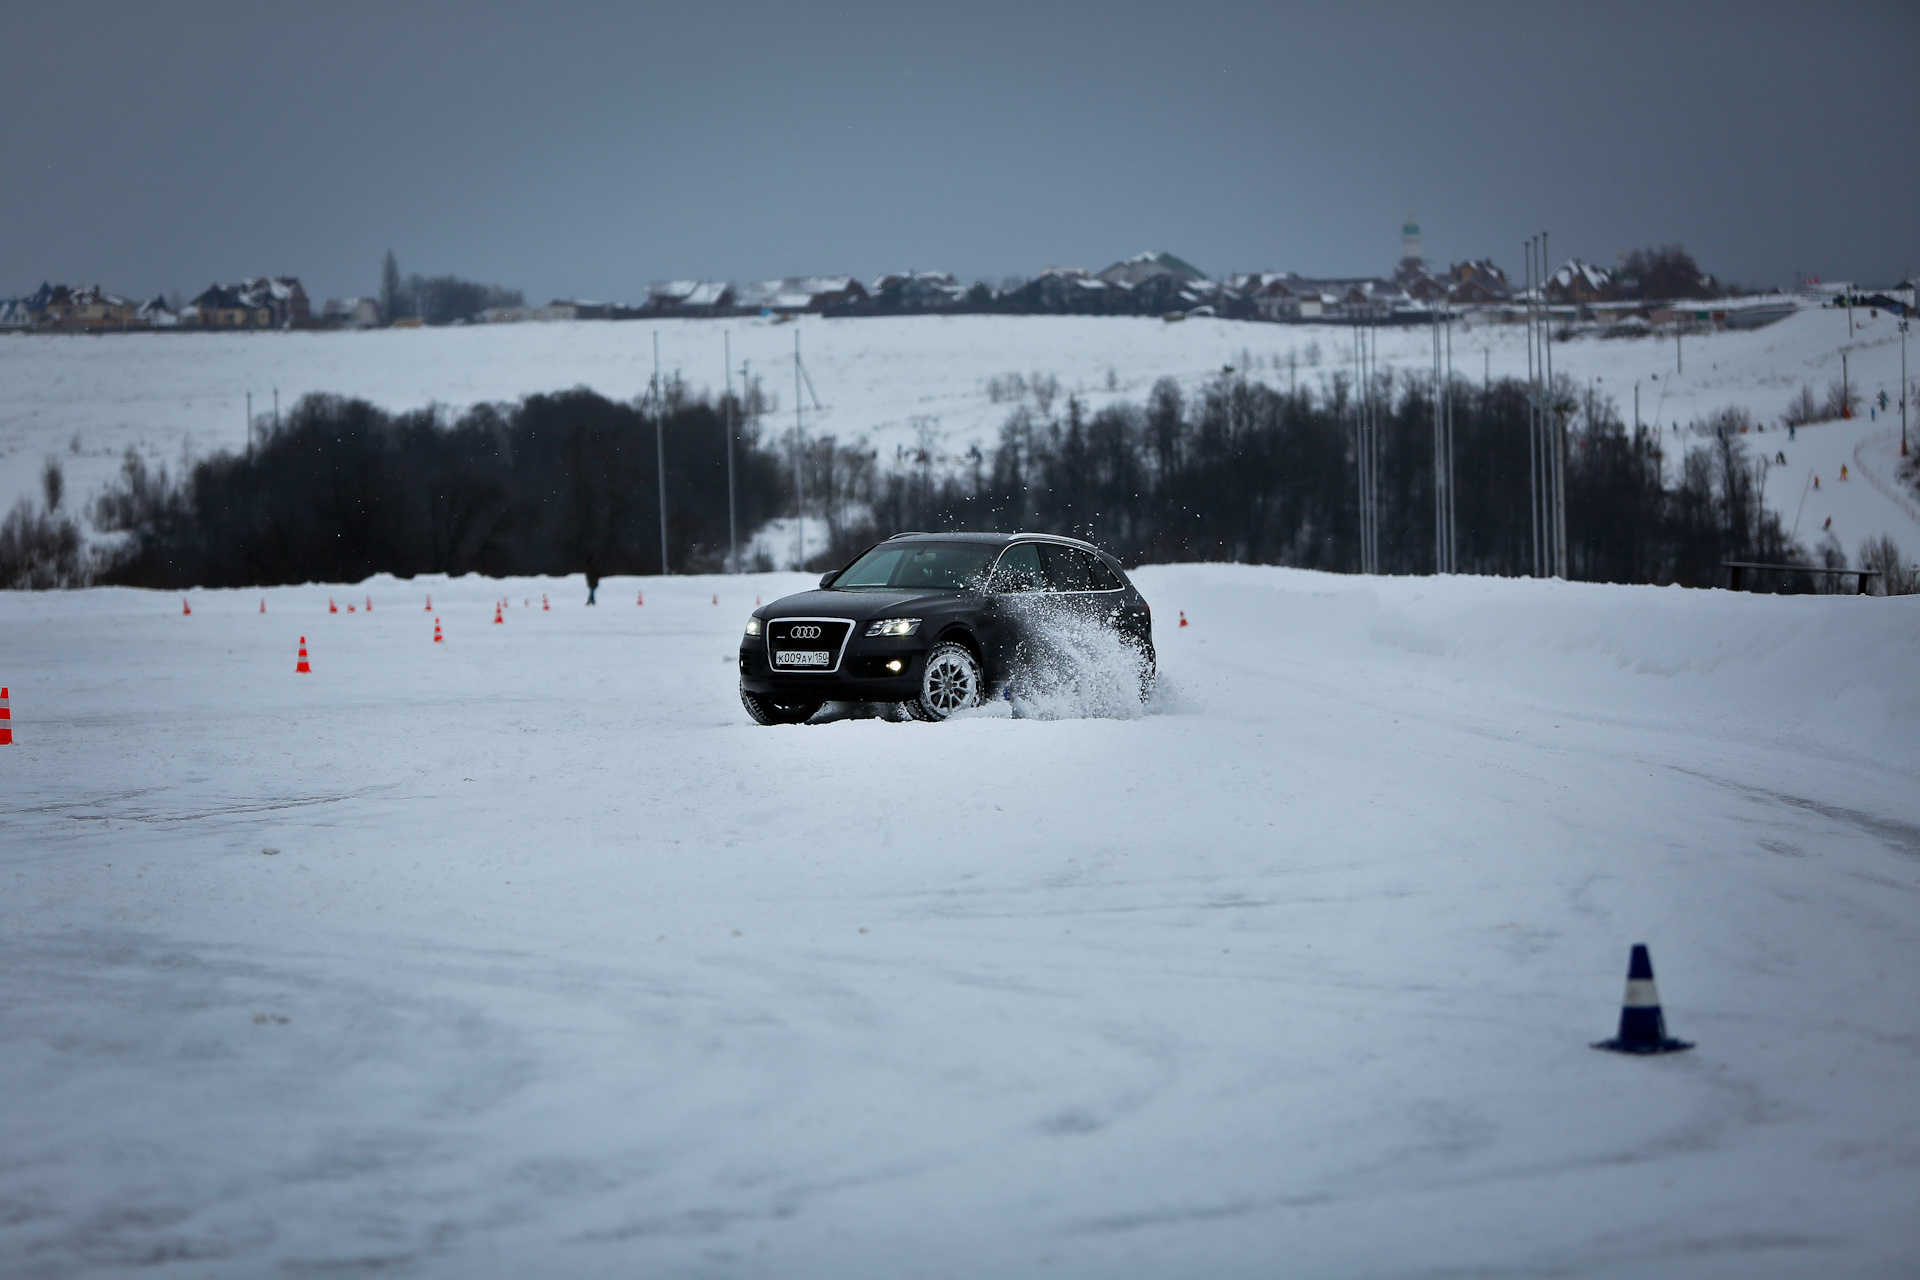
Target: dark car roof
{"type": "Point", "coordinates": [991, 539]}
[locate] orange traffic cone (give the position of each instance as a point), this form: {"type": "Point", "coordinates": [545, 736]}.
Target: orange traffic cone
{"type": "Point", "coordinates": [303, 668]}
{"type": "Point", "coordinates": [186, 609]}
{"type": "Point", "coordinates": [429, 602]}
{"type": "Point", "coordinates": [369, 604]}
{"type": "Point", "coordinates": [496, 614]}
{"type": "Point", "coordinates": [331, 606]}
{"type": "Point", "coordinates": [263, 604]}
{"type": "Point", "coordinates": [349, 606]}
{"type": "Point", "coordinates": [756, 602]}
{"type": "Point", "coordinates": [716, 599]}
{"type": "Point", "coordinates": [642, 599]}
{"type": "Point", "coordinates": [544, 606]}
{"type": "Point", "coordinates": [1183, 617]}
{"type": "Point", "coordinates": [436, 631]}
{"type": "Point", "coordinates": [6, 719]}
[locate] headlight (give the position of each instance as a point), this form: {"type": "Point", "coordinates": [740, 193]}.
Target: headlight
{"type": "Point", "coordinates": [893, 627]}
{"type": "Point", "coordinates": [753, 626]}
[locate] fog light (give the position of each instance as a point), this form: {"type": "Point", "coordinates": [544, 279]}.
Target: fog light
{"type": "Point", "coordinates": [893, 665]}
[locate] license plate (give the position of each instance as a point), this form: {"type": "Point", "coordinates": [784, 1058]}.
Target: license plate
{"type": "Point", "coordinates": [801, 658]}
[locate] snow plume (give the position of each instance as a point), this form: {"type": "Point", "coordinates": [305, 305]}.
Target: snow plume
{"type": "Point", "coordinates": [1071, 664]}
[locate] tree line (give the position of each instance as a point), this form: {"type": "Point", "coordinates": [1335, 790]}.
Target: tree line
{"type": "Point", "coordinates": [1234, 471]}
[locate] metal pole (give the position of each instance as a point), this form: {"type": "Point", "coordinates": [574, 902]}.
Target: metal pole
{"type": "Point", "coordinates": [1533, 410]}
{"type": "Point", "coordinates": [799, 481]}
{"type": "Point", "coordinates": [1846, 388]}
{"type": "Point", "coordinates": [1906, 392]}
{"type": "Point", "coordinates": [733, 541]}
{"type": "Point", "coordinates": [249, 426]}
{"type": "Point", "coordinates": [660, 449]}
{"type": "Point", "coordinates": [1453, 548]}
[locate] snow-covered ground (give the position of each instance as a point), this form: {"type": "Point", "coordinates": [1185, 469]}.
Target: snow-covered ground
{"type": "Point", "coordinates": [525, 954]}
{"type": "Point", "coordinates": [908, 382]}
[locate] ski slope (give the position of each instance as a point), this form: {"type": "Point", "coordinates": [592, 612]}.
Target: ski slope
{"type": "Point", "coordinates": [913, 382]}
{"type": "Point", "coordinates": [526, 954]}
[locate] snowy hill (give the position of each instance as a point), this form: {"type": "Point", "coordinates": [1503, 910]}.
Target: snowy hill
{"type": "Point", "coordinates": [918, 381]}
{"type": "Point", "coordinates": [525, 953]}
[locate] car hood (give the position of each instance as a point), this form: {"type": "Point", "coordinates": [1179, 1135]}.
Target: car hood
{"type": "Point", "coordinates": [861, 606]}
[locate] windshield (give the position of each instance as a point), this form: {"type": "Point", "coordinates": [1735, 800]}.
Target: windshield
{"type": "Point", "coordinates": [918, 566]}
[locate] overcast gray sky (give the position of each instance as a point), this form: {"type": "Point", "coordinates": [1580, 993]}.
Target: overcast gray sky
{"type": "Point", "coordinates": [582, 150]}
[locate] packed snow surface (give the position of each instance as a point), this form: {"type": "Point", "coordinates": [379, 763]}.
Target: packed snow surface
{"type": "Point", "coordinates": [527, 954]}
{"type": "Point", "coordinates": [927, 383]}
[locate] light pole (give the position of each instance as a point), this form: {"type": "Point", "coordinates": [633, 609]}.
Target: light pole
{"type": "Point", "coordinates": [726, 365]}
{"type": "Point", "coordinates": [660, 450]}
{"type": "Point", "coordinates": [1906, 392]}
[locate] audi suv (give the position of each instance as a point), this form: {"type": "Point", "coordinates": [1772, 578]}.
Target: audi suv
{"type": "Point", "coordinates": [935, 623]}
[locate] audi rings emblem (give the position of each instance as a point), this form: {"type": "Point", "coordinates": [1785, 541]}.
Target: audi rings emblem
{"type": "Point", "coordinates": [805, 632]}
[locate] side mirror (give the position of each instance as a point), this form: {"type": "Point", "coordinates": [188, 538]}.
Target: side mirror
{"type": "Point", "coordinates": [826, 579]}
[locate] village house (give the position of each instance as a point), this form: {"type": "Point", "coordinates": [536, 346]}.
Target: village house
{"type": "Point", "coordinates": [284, 298]}
{"type": "Point", "coordinates": [916, 291]}
{"type": "Point", "coordinates": [803, 293]}
{"type": "Point", "coordinates": [689, 297]}
{"type": "Point", "coordinates": [220, 307]}
{"type": "Point", "coordinates": [86, 311]}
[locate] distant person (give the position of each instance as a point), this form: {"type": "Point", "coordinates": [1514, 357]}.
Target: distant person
{"type": "Point", "coordinates": [593, 578]}
{"type": "Point", "coordinates": [1790, 431]}
{"type": "Point", "coordinates": [1780, 458]}
{"type": "Point", "coordinates": [1843, 471]}
{"type": "Point", "coordinates": [1816, 483]}
{"type": "Point", "coordinates": [1828, 525]}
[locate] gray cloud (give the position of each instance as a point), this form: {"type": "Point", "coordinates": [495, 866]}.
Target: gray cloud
{"type": "Point", "coordinates": [585, 149]}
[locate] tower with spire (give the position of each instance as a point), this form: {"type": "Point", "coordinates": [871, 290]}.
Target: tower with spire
{"type": "Point", "coordinates": [1410, 259]}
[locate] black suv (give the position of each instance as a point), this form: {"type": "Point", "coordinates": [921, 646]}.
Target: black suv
{"type": "Point", "coordinates": [933, 623]}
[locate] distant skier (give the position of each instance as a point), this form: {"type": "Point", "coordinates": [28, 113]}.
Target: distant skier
{"type": "Point", "coordinates": [1780, 458]}
{"type": "Point", "coordinates": [593, 578]}
{"type": "Point", "coordinates": [1828, 525]}
{"type": "Point", "coordinates": [1843, 471]}
{"type": "Point", "coordinates": [1790, 430]}
{"type": "Point", "coordinates": [1816, 483]}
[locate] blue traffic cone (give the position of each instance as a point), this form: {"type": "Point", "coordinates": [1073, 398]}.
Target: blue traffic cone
{"type": "Point", "coordinates": [1643, 1029]}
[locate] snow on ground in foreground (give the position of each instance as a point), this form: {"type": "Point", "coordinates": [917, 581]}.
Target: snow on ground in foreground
{"type": "Point", "coordinates": [558, 966]}
{"type": "Point", "coordinates": [919, 381]}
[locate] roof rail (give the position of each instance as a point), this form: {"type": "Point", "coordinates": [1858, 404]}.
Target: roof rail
{"type": "Point", "coordinates": [906, 533]}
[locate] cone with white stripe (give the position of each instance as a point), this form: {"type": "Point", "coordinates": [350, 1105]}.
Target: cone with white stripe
{"type": "Point", "coordinates": [6, 719]}
{"type": "Point", "coordinates": [1643, 1029]}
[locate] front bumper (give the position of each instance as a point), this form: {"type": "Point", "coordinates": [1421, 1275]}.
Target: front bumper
{"type": "Point", "coordinates": [863, 675]}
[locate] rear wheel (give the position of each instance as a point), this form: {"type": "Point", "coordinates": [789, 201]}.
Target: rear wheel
{"type": "Point", "coordinates": [765, 710]}
{"type": "Point", "coordinates": [951, 681]}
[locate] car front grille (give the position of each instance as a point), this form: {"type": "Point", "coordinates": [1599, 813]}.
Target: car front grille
{"type": "Point", "coordinates": [807, 644]}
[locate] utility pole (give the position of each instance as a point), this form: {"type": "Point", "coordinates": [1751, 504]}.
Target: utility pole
{"type": "Point", "coordinates": [799, 452]}
{"type": "Point", "coordinates": [1559, 427]}
{"type": "Point", "coordinates": [1533, 410]}
{"type": "Point", "coordinates": [1679, 358]}
{"type": "Point", "coordinates": [249, 426]}
{"type": "Point", "coordinates": [660, 449]}
{"type": "Point", "coordinates": [1846, 389]}
{"type": "Point", "coordinates": [733, 543]}
{"type": "Point", "coordinates": [276, 409]}
{"type": "Point", "coordinates": [1906, 392]}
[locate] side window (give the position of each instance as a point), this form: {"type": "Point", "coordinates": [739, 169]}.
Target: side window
{"type": "Point", "coordinates": [1104, 579]}
{"type": "Point", "coordinates": [1019, 569]}
{"type": "Point", "coordinates": [1067, 568]}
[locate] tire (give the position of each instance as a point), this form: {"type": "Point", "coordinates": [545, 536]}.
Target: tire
{"type": "Point", "coordinates": [951, 681]}
{"type": "Point", "coordinates": [766, 711]}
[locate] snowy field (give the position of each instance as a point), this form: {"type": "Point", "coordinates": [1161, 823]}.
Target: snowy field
{"type": "Point", "coordinates": [905, 382]}
{"type": "Point", "coordinates": [526, 955]}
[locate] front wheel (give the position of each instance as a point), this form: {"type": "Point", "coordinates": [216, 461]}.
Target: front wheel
{"type": "Point", "coordinates": [766, 711]}
{"type": "Point", "coordinates": [952, 681]}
